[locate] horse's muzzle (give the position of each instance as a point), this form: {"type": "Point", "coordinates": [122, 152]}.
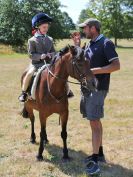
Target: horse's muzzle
{"type": "Point", "coordinates": [95, 83]}
{"type": "Point", "coordinates": [90, 84]}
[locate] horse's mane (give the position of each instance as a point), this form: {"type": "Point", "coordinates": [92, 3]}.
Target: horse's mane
{"type": "Point", "coordinates": [59, 54]}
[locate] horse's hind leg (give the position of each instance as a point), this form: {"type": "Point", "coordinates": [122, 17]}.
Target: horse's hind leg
{"type": "Point", "coordinates": [33, 135]}
{"type": "Point", "coordinates": [32, 119]}
{"type": "Point", "coordinates": [64, 119]}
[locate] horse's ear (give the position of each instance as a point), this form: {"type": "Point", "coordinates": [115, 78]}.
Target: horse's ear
{"type": "Point", "coordinates": [84, 46]}
{"type": "Point", "coordinates": [64, 50]}
{"type": "Point", "coordinates": [72, 49]}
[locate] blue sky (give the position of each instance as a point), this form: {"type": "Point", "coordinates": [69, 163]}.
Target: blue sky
{"type": "Point", "coordinates": [74, 7]}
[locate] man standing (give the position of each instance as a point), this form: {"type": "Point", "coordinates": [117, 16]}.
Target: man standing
{"type": "Point", "coordinates": [103, 61]}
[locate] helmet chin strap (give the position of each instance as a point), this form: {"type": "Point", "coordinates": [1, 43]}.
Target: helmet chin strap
{"type": "Point", "coordinates": [40, 32]}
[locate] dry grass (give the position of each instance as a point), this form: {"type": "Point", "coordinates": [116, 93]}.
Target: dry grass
{"type": "Point", "coordinates": [6, 49]}
{"type": "Point", "coordinates": [17, 155]}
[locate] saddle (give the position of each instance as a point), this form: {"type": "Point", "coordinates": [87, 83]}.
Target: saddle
{"type": "Point", "coordinates": [34, 82]}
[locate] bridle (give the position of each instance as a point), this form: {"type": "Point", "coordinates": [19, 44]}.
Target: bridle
{"type": "Point", "coordinates": [75, 68]}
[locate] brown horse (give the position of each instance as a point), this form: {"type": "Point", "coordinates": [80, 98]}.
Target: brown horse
{"type": "Point", "coordinates": [51, 93]}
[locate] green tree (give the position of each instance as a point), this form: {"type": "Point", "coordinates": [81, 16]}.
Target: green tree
{"type": "Point", "coordinates": [16, 15]}
{"type": "Point", "coordinates": [11, 30]}
{"type": "Point", "coordinates": [68, 25]}
{"type": "Point", "coordinates": [116, 17]}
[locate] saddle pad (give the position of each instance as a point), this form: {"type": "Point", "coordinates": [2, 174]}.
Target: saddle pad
{"type": "Point", "coordinates": [35, 81]}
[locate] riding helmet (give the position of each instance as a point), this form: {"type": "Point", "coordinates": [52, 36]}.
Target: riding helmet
{"type": "Point", "coordinates": [40, 18]}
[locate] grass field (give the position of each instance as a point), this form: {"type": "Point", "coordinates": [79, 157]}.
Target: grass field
{"type": "Point", "coordinates": [17, 155]}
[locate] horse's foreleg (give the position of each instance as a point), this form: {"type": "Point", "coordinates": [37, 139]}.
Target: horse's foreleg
{"type": "Point", "coordinates": [43, 138]}
{"type": "Point", "coordinates": [64, 119]}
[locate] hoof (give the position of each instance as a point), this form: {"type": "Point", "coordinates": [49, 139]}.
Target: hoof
{"type": "Point", "coordinates": [47, 141]}
{"type": "Point", "coordinates": [66, 159]}
{"type": "Point", "coordinates": [33, 138]}
{"type": "Point", "coordinates": [39, 158]}
{"type": "Point", "coordinates": [33, 141]}
{"type": "Point", "coordinates": [95, 175]}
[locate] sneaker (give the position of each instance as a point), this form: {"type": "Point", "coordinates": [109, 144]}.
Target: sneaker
{"type": "Point", "coordinates": [87, 159]}
{"type": "Point", "coordinates": [23, 97]}
{"type": "Point", "coordinates": [70, 94]}
{"type": "Point", "coordinates": [100, 159]}
{"type": "Point", "coordinates": [92, 168]}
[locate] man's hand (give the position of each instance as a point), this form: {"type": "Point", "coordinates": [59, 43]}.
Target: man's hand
{"type": "Point", "coordinates": [49, 55]}
{"type": "Point", "coordinates": [76, 38]}
{"type": "Point", "coordinates": [43, 56]}
{"type": "Point", "coordinates": [114, 66]}
{"type": "Point", "coordinates": [46, 56]}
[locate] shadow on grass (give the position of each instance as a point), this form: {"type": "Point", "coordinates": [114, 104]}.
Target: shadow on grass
{"type": "Point", "coordinates": [124, 47]}
{"type": "Point", "coordinates": [76, 166]}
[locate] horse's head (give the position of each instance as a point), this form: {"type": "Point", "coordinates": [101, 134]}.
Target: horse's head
{"type": "Point", "coordinates": [79, 68]}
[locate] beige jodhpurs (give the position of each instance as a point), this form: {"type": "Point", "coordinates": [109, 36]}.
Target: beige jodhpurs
{"type": "Point", "coordinates": [28, 77]}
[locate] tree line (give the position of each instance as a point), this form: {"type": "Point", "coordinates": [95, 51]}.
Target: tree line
{"type": "Point", "coordinates": [116, 17]}
{"type": "Point", "coordinates": [16, 15]}
{"type": "Point", "coordinates": [15, 19]}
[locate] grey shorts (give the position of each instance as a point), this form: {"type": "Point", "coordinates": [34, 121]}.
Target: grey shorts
{"type": "Point", "coordinates": [92, 104]}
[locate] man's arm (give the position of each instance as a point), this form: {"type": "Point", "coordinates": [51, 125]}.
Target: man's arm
{"type": "Point", "coordinates": [114, 66]}
{"type": "Point", "coordinates": [111, 56]}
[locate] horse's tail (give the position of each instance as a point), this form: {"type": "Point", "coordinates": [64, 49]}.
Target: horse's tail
{"type": "Point", "coordinates": [24, 112]}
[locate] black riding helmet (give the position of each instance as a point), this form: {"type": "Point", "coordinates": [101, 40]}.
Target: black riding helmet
{"type": "Point", "coordinates": [39, 19]}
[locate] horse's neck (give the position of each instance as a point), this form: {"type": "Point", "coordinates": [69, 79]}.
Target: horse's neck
{"type": "Point", "coordinates": [58, 85]}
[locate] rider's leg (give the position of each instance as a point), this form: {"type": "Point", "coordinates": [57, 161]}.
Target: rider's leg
{"type": "Point", "coordinates": [34, 85]}
{"type": "Point", "coordinates": [28, 77]}
{"type": "Point", "coordinates": [26, 83]}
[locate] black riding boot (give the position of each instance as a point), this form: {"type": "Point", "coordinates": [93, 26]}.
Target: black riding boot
{"type": "Point", "coordinates": [23, 96]}
{"type": "Point", "coordinates": [70, 94]}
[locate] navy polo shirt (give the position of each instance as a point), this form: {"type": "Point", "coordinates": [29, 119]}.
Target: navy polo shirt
{"type": "Point", "coordinates": [101, 52]}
